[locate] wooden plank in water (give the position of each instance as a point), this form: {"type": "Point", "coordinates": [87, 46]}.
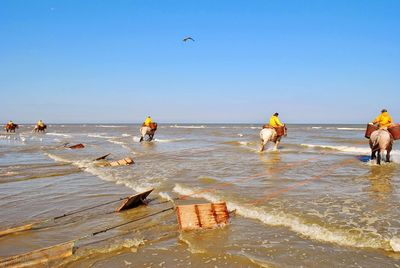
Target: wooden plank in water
{"type": "Point", "coordinates": [39, 257]}
{"type": "Point", "coordinates": [123, 162]}
{"type": "Point", "coordinates": [16, 229]}
{"type": "Point", "coordinates": [202, 216]}
{"type": "Point", "coordinates": [102, 157]}
{"type": "Point", "coordinates": [76, 146]}
{"type": "Point", "coordinates": [134, 201]}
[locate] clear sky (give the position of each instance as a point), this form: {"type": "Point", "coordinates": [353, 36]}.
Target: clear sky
{"type": "Point", "coordinates": [117, 61]}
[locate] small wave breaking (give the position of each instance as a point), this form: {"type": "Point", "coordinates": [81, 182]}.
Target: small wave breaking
{"type": "Point", "coordinates": [296, 224]}
{"type": "Point", "coordinates": [58, 134]}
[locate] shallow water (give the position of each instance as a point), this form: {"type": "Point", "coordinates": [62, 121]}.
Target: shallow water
{"type": "Point", "coordinates": [317, 202]}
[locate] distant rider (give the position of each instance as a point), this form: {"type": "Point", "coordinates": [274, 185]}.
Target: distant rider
{"type": "Point", "coordinates": [148, 121]}
{"type": "Point", "coordinates": [40, 124]}
{"type": "Point", "coordinates": [383, 120]}
{"type": "Point", "coordinates": [10, 124]}
{"type": "Point", "coordinates": [275, 122]}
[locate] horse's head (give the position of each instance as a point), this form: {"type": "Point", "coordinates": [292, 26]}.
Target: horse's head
{"type": "Point", "coordinates": [153, 126]}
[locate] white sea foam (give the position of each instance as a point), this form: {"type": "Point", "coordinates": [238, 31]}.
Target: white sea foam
{"type": "Point", "coordinates": [166, 196]}
{"type": "Point", "coordinates": [126, 135]}
{"type": "Point", "coordinates": [350, 128]}
{"type": "Point", "coordinates": [296, 224]}
{"type": "Point", "coordinates": [395, 154]}
{"type": "Point", "coordinates": [58, 134]}
{"type": "Point", "coordinates": [244, 143]}
{"type": "Point", "coordinates": [168, 140]}
{"type": "Point", "coordinates": [58, 158]}
{"type": "Point", "coordinates": [116, 142]}
{"type": "Point", "coordinates": [395, 244]}
{"type": "Point", "coordinates": [346, 149]}
{"type": "Point", "coordinates": [109, 126]}
{"type": "Point", "coordinates": [99, 136]}
{"type": "Point", "coordinates": [107, 174]}
{"type": "Point", "coordinates": [192, 126]}
{"type": "Point", "coordinates": [316, 127]}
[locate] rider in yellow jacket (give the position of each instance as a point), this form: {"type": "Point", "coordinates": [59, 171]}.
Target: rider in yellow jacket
{"type": "Point", "coordinates": [10, 123]}
{"type": "Point", "coordinates": [383, 120]}
{"type": "Point", "coordinates": [148, 121]}
{"type": "Point", "coordinates": [274, 121]}
{"type": "Point", "coordinates": [40, 123]}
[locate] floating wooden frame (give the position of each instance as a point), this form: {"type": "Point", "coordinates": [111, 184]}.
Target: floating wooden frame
{"type": "Point", "coordinates": [202, 216]}
{"type": "Point", "coordinates": [134, 201]}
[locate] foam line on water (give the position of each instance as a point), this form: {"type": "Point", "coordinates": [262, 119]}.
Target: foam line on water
{"type": "Point", "coordinates": [189, 127]}
{"type": "Point", "coordinates": [108, 174]}
{"type": "Point", "coordinates": [58, 134]}
{"type": "Point", "coordinates": [99, 136]}
{"type": "Point", "coordinates": [346, 149]}
{"type": "Point", "coordinates": [109, 126]}
{"type": "Point", "coordinates": [395, 154]}
{"type": "Point", "coordinates": [297, 225]}
{"type": "Point", "coordinates": [351, 128]}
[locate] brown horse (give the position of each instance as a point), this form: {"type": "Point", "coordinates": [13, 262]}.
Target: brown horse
{"type": "Point", "coordinates": [149, 131]}
{"type": "Point", "coordinates": [379, 142]}
{"type": "Point", "coordinates": [39, 128]}
{"type": "Point", "coordinates": [11, 127]}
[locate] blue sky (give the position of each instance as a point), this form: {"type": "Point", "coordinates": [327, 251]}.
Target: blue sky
{"type": "Point", "coordinates": [119, 61]}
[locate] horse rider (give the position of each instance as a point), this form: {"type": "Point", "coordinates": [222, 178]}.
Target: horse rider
{"type": "Point", "coordinates": [40, 124]}
{"type": "Point", "coordinates": [147, 122]}
{"type": "Point", "coordinates": [10, 124]}
{"type": "Point", "coordinates": [384, 120]}
{"type": "Point", "coordinates": [274, 122]}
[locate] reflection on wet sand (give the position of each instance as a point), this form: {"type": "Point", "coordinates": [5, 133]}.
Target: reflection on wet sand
{"type": "Point", "coordinates": [272, 161]}
{"type": "Point", "coordinates": [380, 178]}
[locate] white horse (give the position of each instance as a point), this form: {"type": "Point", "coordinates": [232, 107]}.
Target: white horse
{"type": "Point", "coordinates": [144, 130]}
{"type": "Point", "coordinates": [266, 135]}
{"type": "Point", "coordinates": [380, 141]}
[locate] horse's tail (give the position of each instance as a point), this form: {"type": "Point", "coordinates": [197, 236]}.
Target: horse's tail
{"type": "Point", "coordinates": [376, 142]}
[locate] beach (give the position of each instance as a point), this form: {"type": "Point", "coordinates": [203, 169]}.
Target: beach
{"type": "Point", "coordinates": [316, 202]}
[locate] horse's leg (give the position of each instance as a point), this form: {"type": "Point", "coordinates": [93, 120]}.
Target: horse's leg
{"type": "Point", "coordinates": [141, 138]}
{"type": "Point", "coordinates": [388, 150]}
{"type": "Point", "coordinates": [378, 159]}
{"type": "Point", "coordinates": [388, 156]}
{"type": "Point", "coordinates": [278, 139]}
{"type": "Point", "coordinates": [151, 137]}
{"type": "Point", "coordinates": [373, 154]}
{"type": "Point", "coordinates": [262, 145]}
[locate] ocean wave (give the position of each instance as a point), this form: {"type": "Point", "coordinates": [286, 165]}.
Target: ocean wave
{"type": "Point", "coordinates": [296, 224]}
{"type": "Point", "coordinates": [137, 139]}
{"type": "Point", "coordinates": [350, 128]}
{"type": "Point", "coordinates": [316, 127]}
{"type": "Point", "coordinates": [192, 126]}
{"type": "Point", "coordinates": [99, 136]}
{"type": "Point", "coordinates": [58, 158]}
{"type": "Point", "coordinates": [126, 135]}
{"type": "Point", "coordinates": [395, 154]}
{"type": "Point", "coordinates": [346, 149]}
{"type": "Point", "coordinates": [168, 140]}
{"type": "Point", "coordinates": [109, 174]}
{"type": "Point", "coordinates": [116, 142]}
{"type": "Point", "coordinates": [109, 126]}
{"type": "Point", "coordinates": [58, 134]}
